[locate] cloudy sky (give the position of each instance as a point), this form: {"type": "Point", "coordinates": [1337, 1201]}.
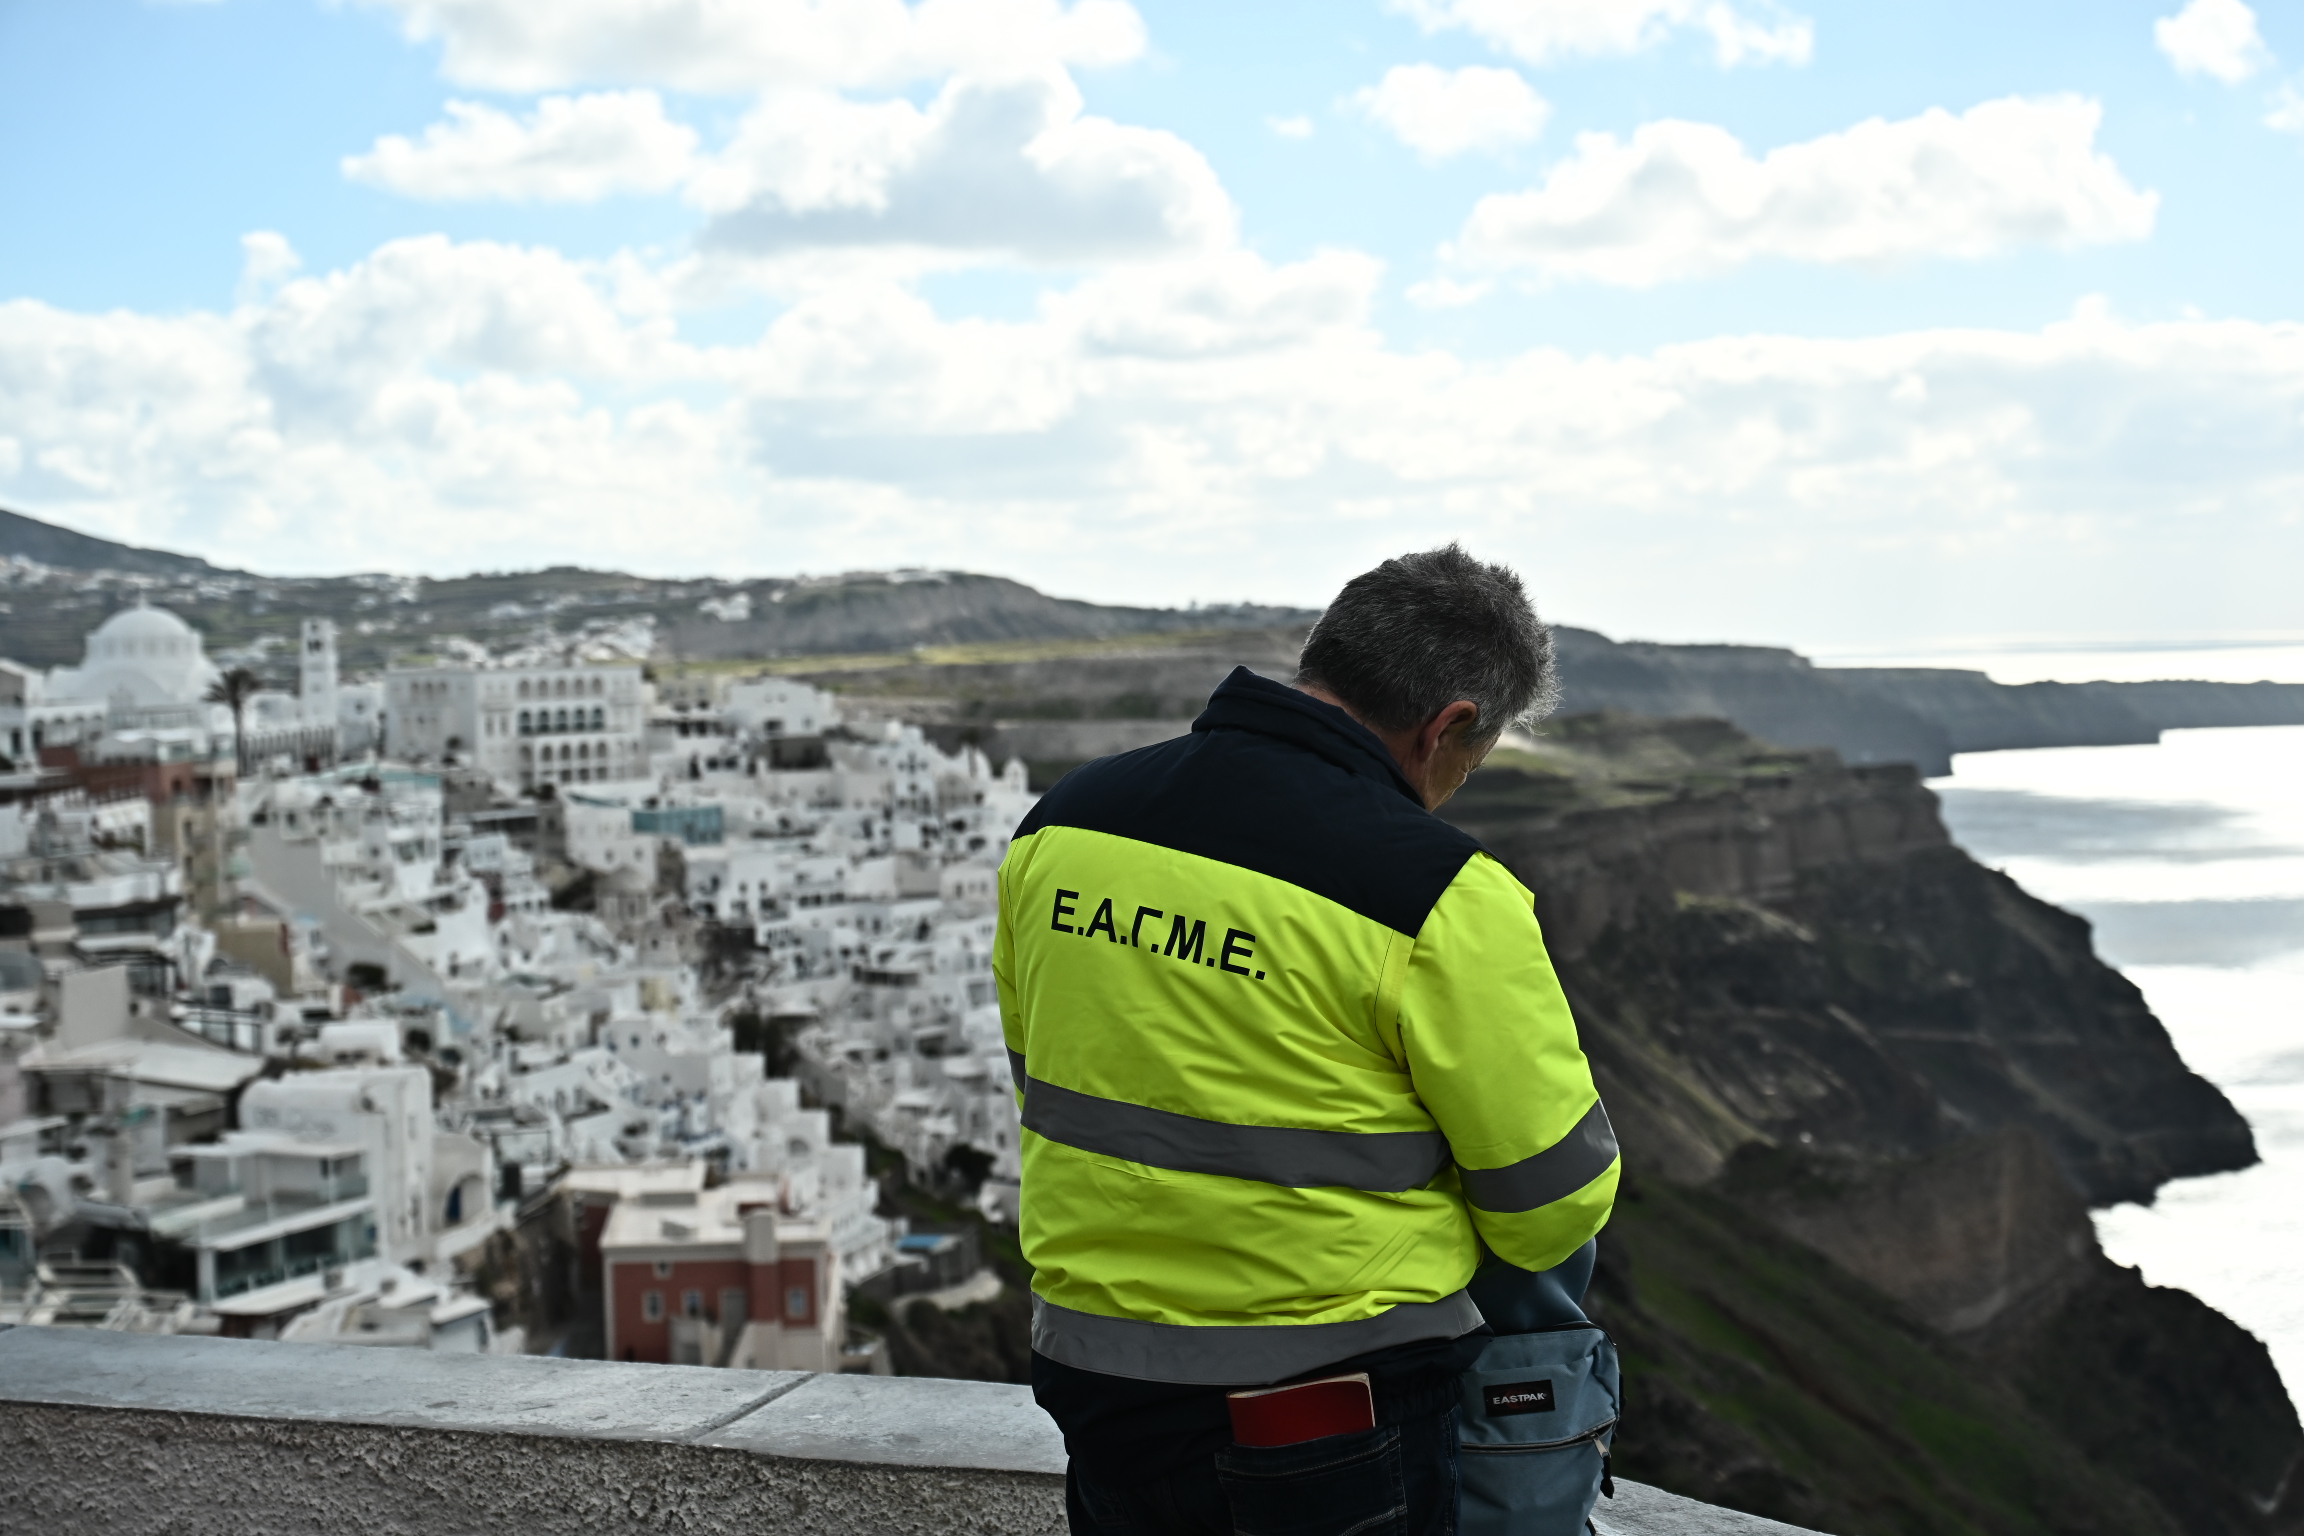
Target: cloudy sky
{"type": "Point", "coordinates": [1837, 324]}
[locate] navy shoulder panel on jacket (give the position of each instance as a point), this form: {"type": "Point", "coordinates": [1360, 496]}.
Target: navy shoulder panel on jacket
{"type": "Point", "coordinates": [1273, 780]}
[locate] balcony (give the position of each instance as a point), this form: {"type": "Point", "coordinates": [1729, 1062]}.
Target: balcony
{"type": "Point", "coordinates": [110, 1434]}
{"type": "Point", "coordinates": [279, 1267]}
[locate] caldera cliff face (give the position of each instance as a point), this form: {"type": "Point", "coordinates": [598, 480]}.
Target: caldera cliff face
{"type": "Point", "coordinates": [1867, 1089]}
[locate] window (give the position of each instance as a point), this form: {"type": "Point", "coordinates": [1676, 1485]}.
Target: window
{"type": "Point", "coordinates": [733, 1306]}
{"type": "Point", "coordinates": [796, 1303]}
{"type": "Point", "coordinates": [691, 1303]}
{"type": "Point", "coordinates": [652, 1306]}
{"type": "Point", "coordinates": [527, 726]}
{"type": "Point", "coordinates": [663, 1266]}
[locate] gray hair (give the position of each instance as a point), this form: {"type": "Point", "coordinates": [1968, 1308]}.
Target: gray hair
{"type": "Point", "coordinates": [1404, 641]}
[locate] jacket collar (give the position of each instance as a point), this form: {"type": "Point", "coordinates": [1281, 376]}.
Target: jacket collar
{"type": "Point", "coordinates": [1246, 702]}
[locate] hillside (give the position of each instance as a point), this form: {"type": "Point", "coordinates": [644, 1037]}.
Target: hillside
{"type": "Point", "coordinates": [76, 580]}
{"type": "Point", "coordinates": [27, 538]}
{"type": "Point", "coordinates": [868, 613]}
{"type": "Point", "coordinates": [1077, 679]}
{"type": "Point", "coordinates": [1063, 705]}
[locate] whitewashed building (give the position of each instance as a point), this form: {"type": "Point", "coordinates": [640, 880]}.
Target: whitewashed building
{"type": "Point", "coordinates": [780, 706]}
{"type": "Point", "coordinates": [525, 726]}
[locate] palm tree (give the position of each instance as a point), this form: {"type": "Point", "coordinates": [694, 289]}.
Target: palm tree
{"type": "Point", "coordinates": [233, 690]}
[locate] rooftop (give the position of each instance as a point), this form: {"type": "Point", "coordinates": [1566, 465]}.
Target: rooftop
{"type": "Point", "coordinates": [704, 1216]}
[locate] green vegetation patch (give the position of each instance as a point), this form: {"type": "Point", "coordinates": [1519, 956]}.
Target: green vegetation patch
{"type": "Point", "coordinates": [1761, 1377]}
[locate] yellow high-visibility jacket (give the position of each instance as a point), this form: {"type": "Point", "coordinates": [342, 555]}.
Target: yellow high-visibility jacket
{"type": "Point", "coordinates": [1288, 1050]}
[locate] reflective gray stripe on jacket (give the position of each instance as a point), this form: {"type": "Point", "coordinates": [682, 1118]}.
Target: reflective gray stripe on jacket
{"type": "Point", "coordinates": [1236, 1355]}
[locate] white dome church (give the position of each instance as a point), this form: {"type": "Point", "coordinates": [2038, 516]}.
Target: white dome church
{"type": "Point", "coordinates": [139, 659]}
{"type": "Point", "coordinates": [146, 674]}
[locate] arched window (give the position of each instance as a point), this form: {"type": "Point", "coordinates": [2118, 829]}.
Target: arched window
{"type": "Point", "coordinates": [560, 720]}
{"type": "Point", "coordinates": [523, 687]}
{"type": "Point", "coordinates": [596, 685]}
{"type": "Point", "coordinates": [560, 689]}
{"type": "Point", "coordinates": [599, 718]}
{"type": "Point", "coordinates": [527, 726]}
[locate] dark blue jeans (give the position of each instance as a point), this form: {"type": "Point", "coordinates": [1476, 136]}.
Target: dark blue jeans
{"type": "Point", "coordinates": [1397, 1480]}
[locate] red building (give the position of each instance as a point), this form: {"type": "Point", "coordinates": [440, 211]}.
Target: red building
{"type": "Point", "coordinates": [720, 1277]}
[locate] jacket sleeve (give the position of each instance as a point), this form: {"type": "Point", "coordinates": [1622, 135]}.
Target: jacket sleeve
{"type": "Point", "coordinates": [1492, 1049]}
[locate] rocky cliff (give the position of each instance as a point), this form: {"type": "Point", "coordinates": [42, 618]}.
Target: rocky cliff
{"type": "Point", "coordinates": [1079, 702]}
{"type": "Point", "coordinates": [1792, 951]}
{"type": "Point", "coordinates": [1867, 1090]}
{"type": "Point", "coordinates": [1918, 715]}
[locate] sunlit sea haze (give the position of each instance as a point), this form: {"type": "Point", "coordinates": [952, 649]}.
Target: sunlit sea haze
{"type": "Point", "coordinates": [2188, 857]}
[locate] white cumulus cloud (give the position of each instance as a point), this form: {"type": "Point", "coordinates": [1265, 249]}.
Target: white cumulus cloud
{"type": "Point", "coordinates": [1546, 31]}
{"type": "Point", "coordinates": [341, 345]}
{"type": "Point", "coordinates": [839, 151]}
{"type": "Point", "coordinates": [1440, 113]}
{"type": "Point", "coordinates": [1232, 303]}
{"type": "Point", "coordinates": [1681, 199]}
{"type": "Point", "coordinates": [2286, 113]}
{"type": "Point", "coordinates": [1447, 293]}
{"type": "Point", "coordinates": [1218, 426]}
{"type": "Point", "coordinates": [1011, 169]}
{"type": "Point", "coordinates": [747, 45]}
{"type": "Point", "coordinates": [266, 259]}
{"type": "Point", "coordinates": [570, 149]}
{"type": "Point", "coordinates": [2217, 38]}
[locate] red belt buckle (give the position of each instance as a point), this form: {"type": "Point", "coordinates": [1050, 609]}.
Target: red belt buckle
{"type": "Point", "coordinates": [1302, 1410]}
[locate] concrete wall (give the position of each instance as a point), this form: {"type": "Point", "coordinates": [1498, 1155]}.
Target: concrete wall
{"type": "Point", "coordinates": [131, 1435]}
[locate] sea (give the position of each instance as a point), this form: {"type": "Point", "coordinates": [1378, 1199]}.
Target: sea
{"type": "Point", "coordinates": [2188, 857]}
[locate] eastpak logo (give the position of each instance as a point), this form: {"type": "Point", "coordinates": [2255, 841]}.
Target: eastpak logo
{"type": "Point", "coordinates": [1509, 1398]}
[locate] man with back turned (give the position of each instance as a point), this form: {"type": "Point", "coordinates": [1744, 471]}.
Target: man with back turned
{"type": "Point", "coordinates": [1292, 1062]}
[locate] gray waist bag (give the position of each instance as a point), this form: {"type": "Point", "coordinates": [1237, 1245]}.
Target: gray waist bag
{"type": "Point", "coordinates": [1539, 1410]}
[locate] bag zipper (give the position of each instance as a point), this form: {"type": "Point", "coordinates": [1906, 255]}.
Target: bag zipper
{"type": "Point", "coordinates": [1548, 1445]}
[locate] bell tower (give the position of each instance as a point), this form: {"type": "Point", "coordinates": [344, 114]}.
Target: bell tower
{"type": "Point", "coordinates": [316, 676]}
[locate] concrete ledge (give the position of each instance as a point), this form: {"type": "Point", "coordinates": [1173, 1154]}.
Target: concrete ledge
{"type": "Point", "coordinates": [127, 1434]}
{"type": "Point", "coordinates": [1639, 1510]}
{"type": "Point", "coordinates": [134, 1435]}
